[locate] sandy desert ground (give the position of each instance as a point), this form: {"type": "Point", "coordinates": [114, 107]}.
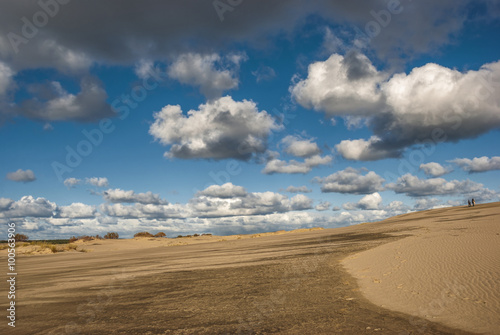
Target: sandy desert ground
{"type": "Point", "coordinates": [432, 272]}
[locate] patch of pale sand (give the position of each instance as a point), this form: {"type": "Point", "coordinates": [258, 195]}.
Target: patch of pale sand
{"type": "Point", "coordinates": [447, 271]}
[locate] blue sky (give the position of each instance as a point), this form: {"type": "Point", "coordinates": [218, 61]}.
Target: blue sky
{"type": "Point", "coordinates": [238, 117]}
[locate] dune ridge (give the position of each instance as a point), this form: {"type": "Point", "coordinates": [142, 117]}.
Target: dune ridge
{"type": "Point", "coordinates": [447, 270]}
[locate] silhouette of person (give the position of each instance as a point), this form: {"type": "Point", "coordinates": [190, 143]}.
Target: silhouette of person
{"type": "Point", "coordinates": [468, 201]}
{"type": "Point", "coordinates": [473, 202]}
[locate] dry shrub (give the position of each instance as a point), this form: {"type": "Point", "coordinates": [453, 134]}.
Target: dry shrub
{"type": "Point", "coordinates": [206, 234]}
{"type": "Point", "coordinates": [143, 234]}
{"type": "Point", "coordinates": [196, 235]}
{"type": "Point", "coordinates": [45, 245]}
{"type": "Point", "coordinates": [160, 234]}
{"type": "Point", "coordinates": [111, 236]}
{"type": "Point", "coordinates": [20, 238]}
{"type": "Point", "coordinates": [73, 239]}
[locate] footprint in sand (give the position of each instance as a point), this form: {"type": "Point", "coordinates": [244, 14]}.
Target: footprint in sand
{"type": "Point", "coordinates": [377, 281]}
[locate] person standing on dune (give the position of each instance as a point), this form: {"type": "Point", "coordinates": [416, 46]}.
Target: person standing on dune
{"type": "Point", "coordinates": [468, 202]}
{"type": "Point", "coordinates": [473, 202]}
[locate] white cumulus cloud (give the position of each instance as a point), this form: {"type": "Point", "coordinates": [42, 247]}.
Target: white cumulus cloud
{"type": "Point", "coordinates": [276, 165]}
{"type": "Point", "coordinates": [413, 186]}
{"type": "Point", "coordinates": [219, 129]}
{"type": "Point", "coordinates": [434, 169]}
{"type": "Point", "coordinates": [212, 73]}
{"type": "Point", "coordinates": [98, 181]}
{"type": "Point", "coordinates": [299, 147]}
{"type": "Point", "coordinates": [478, 164]}
{"type": "Point", "coordinates": [24, 176]}
{"type": "Point", "coordinates": [368, 202]}
{"type": "Point", "coordinates": [431, 102]}
{"type": "Point", "coordinates": [351, 181]}
{"type": "Point", "coordinates": [71, 182]}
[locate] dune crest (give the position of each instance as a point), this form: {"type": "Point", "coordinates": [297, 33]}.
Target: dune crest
{"type": "Point", "coordinates": [447, 270]}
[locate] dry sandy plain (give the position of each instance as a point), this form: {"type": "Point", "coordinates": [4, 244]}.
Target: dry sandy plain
{"type": "Point", "coordinates": [431, 272]}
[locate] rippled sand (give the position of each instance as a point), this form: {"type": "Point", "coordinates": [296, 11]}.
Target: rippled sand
{"type": "Point", "coordinates": [447, 270]}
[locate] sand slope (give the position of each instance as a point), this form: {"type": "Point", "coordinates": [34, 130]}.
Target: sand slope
{"type": "Point", "coordinates": [447, 270]}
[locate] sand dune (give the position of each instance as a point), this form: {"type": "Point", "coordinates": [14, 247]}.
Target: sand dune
{"type": "Point", "coordinates": [447, 270]}
{"type": "Point", "coordinates": [433, 272]}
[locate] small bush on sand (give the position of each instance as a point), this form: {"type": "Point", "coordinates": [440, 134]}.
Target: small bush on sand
{"type": "Point", "coordinates": [111, 236]}
{"type": "Point", "coordinates": [20, 237]}
{"type": "Point", "coordinates": [73, 239]}
{"type": "Point", "coordinates": [196, 235]}
{"type": "Point", "coordinates": [143, 234]}
{"type": "Point", "coordinates": [206, 234]}
{"type": "Point", "coordinates": [160, 234]}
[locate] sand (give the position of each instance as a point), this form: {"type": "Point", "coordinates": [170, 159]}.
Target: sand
{"type": "Point", "coordinates": [433, 272]}
{"type": "Point", "coordinates": [447, 270]}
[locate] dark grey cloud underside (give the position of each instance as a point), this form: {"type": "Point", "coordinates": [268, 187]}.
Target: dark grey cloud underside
{"type": "Point", "coordinates": [121, 32]}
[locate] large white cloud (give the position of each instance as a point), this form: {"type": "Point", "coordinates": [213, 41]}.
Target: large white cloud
{"type": "Point", "coordinates": [212, 73]}
{"type": "Point", "coordinates": [20, 175]}
{"type": "Point", "coordinates": [351, 181]}
{"type": "Point", "coordinates": [28, 206]}
{"type": "Point", "coordinates": [478, 164]}
{"type": "Point", "coordinates": [121, 196]}
{"type": "Point", "coordinates": [341, 86]}
{"type": "Point", "coordinates": [432, 103]}
{"type": "Point", "coordinates": [219, 129]}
